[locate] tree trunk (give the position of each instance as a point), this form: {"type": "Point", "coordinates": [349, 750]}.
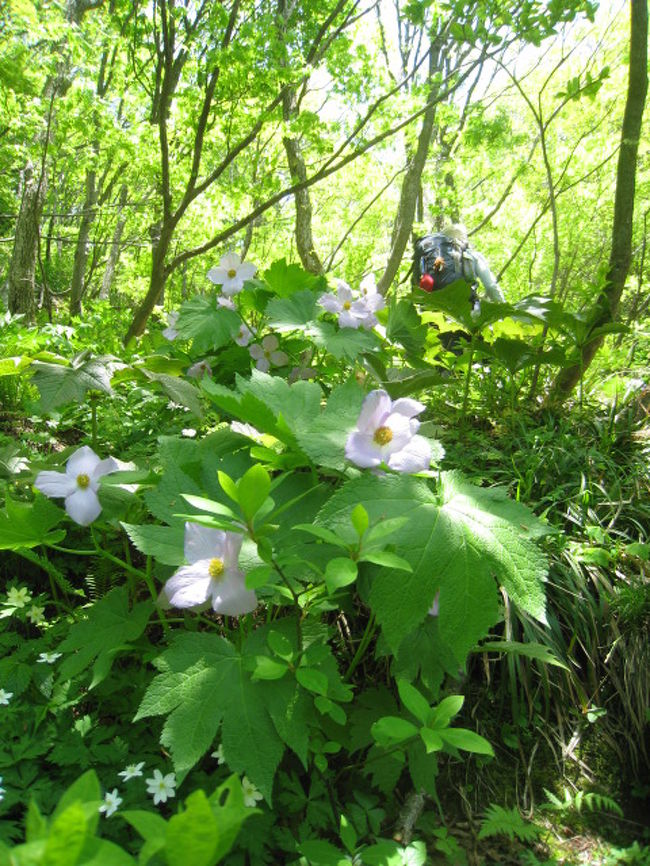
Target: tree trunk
{"type": "Point", "coordinates": [296, 162]}
{"type": "Point", "coordinates": [411, 185]}
{"type": "Point", "coordinates": [78, 287]}
{"type": "Point", "coordinates": [156, 282]}
{"type": "Point", "coordinates": [22, 269]}
{"type": "Point", "coordinates": [114, 252]}
{"type": "Point", "coordinates": [607, 303]}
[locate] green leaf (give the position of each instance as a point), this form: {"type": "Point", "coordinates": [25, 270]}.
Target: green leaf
{"type": "Point", "coordinates": [229, 809]}
{"type": "Point", "coordinates": [193, 835]}
{"type": "Point", "coordinates": [286, 279]}
{"type": "Point", "coordinates": [209, 505]}
{"type": "Point", "coordinates": [228, 486]}
{"type": "Point", "coordinates": [414, 701]}
{"type": "Point", "coordinates": [339, 572]}
{"type": "Point", "coordinates": [469, 741]}
{"type": "Point", "coordinates": [405, 326]}
{"type": "Point", "coordinates": [109, 624]}
{"type": "Point", "coordinates": [252, 490]}
{"type": "Point", "coordinates": [149, 825]}
{"type": "Point", "coordinates": [165, 543]}
{"type": "Point", "coordinates": [312, 680]}
{"type": "Point", "coordinates": [446, 710]}
{"type": "Point", "coordinates": [387, 559]}
{"type": "Point", "coordinates": [267, 668]}
{"type": "Point", "coordinates": [291, 314]}
{"type": "Point", "coordinates": [322, 533]}
{"type": "Point", "coordinates": [178, 390]}
{"type": "Point", "coordinates": [431, 739]}
{"type": "Point", "coordinates": [203, 683]}
{"type": "Point", "coordinates": [360, 520]}
{"type": "Point", "coordinates": [66, 837]}
{"type": "Point", "coordinates": [24, 524]}
{"type": "Point", "coordinates": [321, 853]}
{"type": "Point", "coordinates": [60, 383]}
{"type": "Point", "coordinates": [208, 326]}
{"type": "Point", "coordinates": [531, 650]}
{"type": "Point", "coordinates": [390, 730]}
{"type": "Point", "coordinates": [101, 852]}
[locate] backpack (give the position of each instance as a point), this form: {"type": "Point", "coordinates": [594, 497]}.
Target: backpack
{"type": "Point", "coordinates": [438, 261]}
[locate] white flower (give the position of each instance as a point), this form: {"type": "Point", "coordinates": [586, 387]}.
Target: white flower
{"type": "Point", "coordinates": [78, 484]}
{"type": "Point", "coordinates": [228, 303]}
{"type": "Point", "coordinates": [247, 430]}
{"type": "Point", "coordinates": [369, 294]}
{"type": "Point", "coordinates": [434, 610]}
{"type": "Point", "coordinates": [161, 786]}
{"type": "Point", "coordinates": [18, 597]}
{"type": "Point", "coordinates": [111, 802]}
{"type": "Point", "coordinates": [352, 312]}
{"type": "Point", "coordinates": [35, 614]}
{"type": "Point", "coordinates": [244, 335]}
{"type": "Point", "coordinates": [131, 771]}
{"type": "Point", "coordinates": [48, 658]}
{"type": "Point", "coordinates": [218, 754]}
{"type": "Point", "coordinates": [386, 434]}
{"type": "Point", "coordinates": [5, 697]}
{"type": "Point", "coordinates": [266, 354]}
{"type": "Point", "coordinates": [251, 794]}
{"type": "Point", "coordinates": [170, 332]}
{"type": "Point", "coordinates": [232, 273]}
{"type": "Point", "coordinates": [188, 432]}
{"type": "Point", "coordinates": [213, 575]}
{"type": "Point", "coordinates": [2, 791]}
{"type": "Point", "coordinates": [200, 369]}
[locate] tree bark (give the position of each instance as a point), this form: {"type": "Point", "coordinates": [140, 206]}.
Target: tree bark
{"type": "Point", "coordinates": [24, 257]}
{"type": "Point", "coordinates": [607, 302]}
{"type": "Point", "coordinates": [114, 252]}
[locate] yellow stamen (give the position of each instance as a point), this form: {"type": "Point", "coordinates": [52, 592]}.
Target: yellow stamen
{"type": "Point", "coordinates": [232, 273]}
{"type": "Point", "coordinates": [83, 480]}
{"type": "Point", "coordinates": [383, 435]}
{"type": "Point", "coordinates": [347, 305]}
{"type": "Point", "coordinates": [216, 568]}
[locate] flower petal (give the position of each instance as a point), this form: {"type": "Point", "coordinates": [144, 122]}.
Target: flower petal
{"type": "Point", "coordinates": [279, 359]}
{"type": "Point", "coordinates": [246, 271]}
{"type": "Point", "coordinates": [230, 261]}
{"type": "Point", "coordinates": [231, 548]}
{"type": "Point", "coordinates": [109, 464]}
{"type": "Point", "coordinates": [218, 275]}
{"type": "Point", "coordinates": [230, 596]}
{"type": "Point", "coordinates": [414, 457]}
{"type": "Point", "coordinates": [83, 462]}
{"type": "Point", "coordinates": [202, 542]}
{"type": "Point", "coordinates": [189, 586]}
{"type": "Point", "coordinates": [263, 365]}
{"type": "Point", "coordinates": [376, 407]}
{"type": "Point", "coordinates": [232, 286]}
{"type": "Point", "coordinates": [270, 343]}
{"type": "Point", "coordinates": [55, 484]}
{"type": "Point", "coordinates": [362, 450]}
{"type": "Point", "coordinates": [330, 303]}
{"type": "Point", "coordinates": [407, 406]}
{"type": "Point", "coordinates": [256, 351]}
{"type": "Point", "coordinates": [83, 506]}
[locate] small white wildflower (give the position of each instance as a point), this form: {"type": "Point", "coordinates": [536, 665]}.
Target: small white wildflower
{"type": "Point", "coordinates": [36, 614]}
{"type": "Point", "coordinates": [5, 697]}
{"type": "Point", "coordinates": [251, 794]}
{"type": "Point", "coordinates": [48, 658]}
{"type": "Point", "coordinates": [111, 802]}
{"type": "Point", "coordinates": [266, 354]}
{"type": "Point", "coordinates": [200, 369]}
{"type": "Point", "coordinates": [18, 597]}
{"type": "Point", "coordinates": [232, 273]}
{"type": "Point", "coordinates": [170, 332]}
{"type": "Point", "coordinates": [78, 484]}
{"type": "Point", "coordinates": [218, 754]}
{"type": "Point", "coordinates": [131, 771]}
{"type": "Point", "coordinates": [161, 787]}
{"type": "Point", "coordinates": [188, 432]}
{"type": "Point", "coordinates": [2, 791]}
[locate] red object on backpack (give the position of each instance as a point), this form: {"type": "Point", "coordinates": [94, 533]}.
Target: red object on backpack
{"type": "Point", "coordinates": [426, 283]}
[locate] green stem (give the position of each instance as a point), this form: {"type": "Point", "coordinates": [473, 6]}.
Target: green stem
{"type": "Point", "coordinates": [467, 379]}
{"type": "Point", "coordinates": [371, 628]}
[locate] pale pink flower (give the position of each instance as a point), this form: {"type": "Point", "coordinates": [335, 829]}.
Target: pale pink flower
{"type": "Point", "coordinates": [244, 335]}
{"type": "Point", "coordinates": [232, 273]}
{"type": "Point", "coordinates": [386, 433]}
{"type": "Point", "coordinates": [170, 332]}
{"type": "Point", "coordinates": [78, 485]}
{"type": "Point", "coordinates": [266, 354]}
{"type": "Point", "coordinates": [199, 370]}
{"type": "Point", "coordinates": [212, 577]}
{"type": "Point", "coordinates": [228, 303]}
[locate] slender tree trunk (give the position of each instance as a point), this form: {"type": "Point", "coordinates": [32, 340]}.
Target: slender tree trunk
{"type": "Point", "coordinates": [411, 184]}
{"type": "Point", "coordinates": [156, 282]}
{"type": "Point", "coordinates": [114, 252]}
{"type": "Point", "coordinates": [78, 286]}
{"type": "Point", "coordinates": [24, 258]}
{"type": "Point", "coordinates": [607, 303]}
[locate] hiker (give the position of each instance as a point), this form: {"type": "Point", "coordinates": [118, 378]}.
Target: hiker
{"type": "Point", "coordinates": [443, 258]}
{"type": "Point", "coordinates": [446, 257]}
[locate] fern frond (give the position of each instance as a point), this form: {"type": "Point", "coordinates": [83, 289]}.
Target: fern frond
{"type": "Point", "coordinates": [507, 822]}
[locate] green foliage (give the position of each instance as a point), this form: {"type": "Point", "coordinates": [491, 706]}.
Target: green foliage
{"type": "Point", "coordinates": [499, 821]}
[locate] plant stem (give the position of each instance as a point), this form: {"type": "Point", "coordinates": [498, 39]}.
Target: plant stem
{"type": "Point", "coordinates": [371, 628]}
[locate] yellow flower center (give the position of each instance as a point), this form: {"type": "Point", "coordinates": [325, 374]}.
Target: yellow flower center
{"type": "Point", "coordinates": [83, 480]}
{"type": "Point", "coordinates": [383, 435]}
{"type": "Point", "coordinates": [215, 569]}
{"type": "Point", "coordinates": [347, 305]}
{"type": "Point", "coordinates": [232, 273]}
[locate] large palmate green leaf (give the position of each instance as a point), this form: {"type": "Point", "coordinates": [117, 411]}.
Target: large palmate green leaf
{"type": "Point", "coordinates": [179, 390]}
{"type": "Point", "coordinates": [205, 684]}
{"type": "Point", "coordinates": [65, 382]}
{"type": "Point", "coordinates": [28, 524]}
{"type": "Point", "coordinates": [287, 279]}
{"type": "Point", "coordinates": [109, 625]}
{"type": "Point", "coordinates": [208, 326]}
{"type": "Point", "coordinates": [290, 314]}
{"type": "Point", "coordinates": [462, 544]}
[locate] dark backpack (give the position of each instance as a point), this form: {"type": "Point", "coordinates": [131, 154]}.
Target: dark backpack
{"type": "Point", "coordinates": [438, 262]}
